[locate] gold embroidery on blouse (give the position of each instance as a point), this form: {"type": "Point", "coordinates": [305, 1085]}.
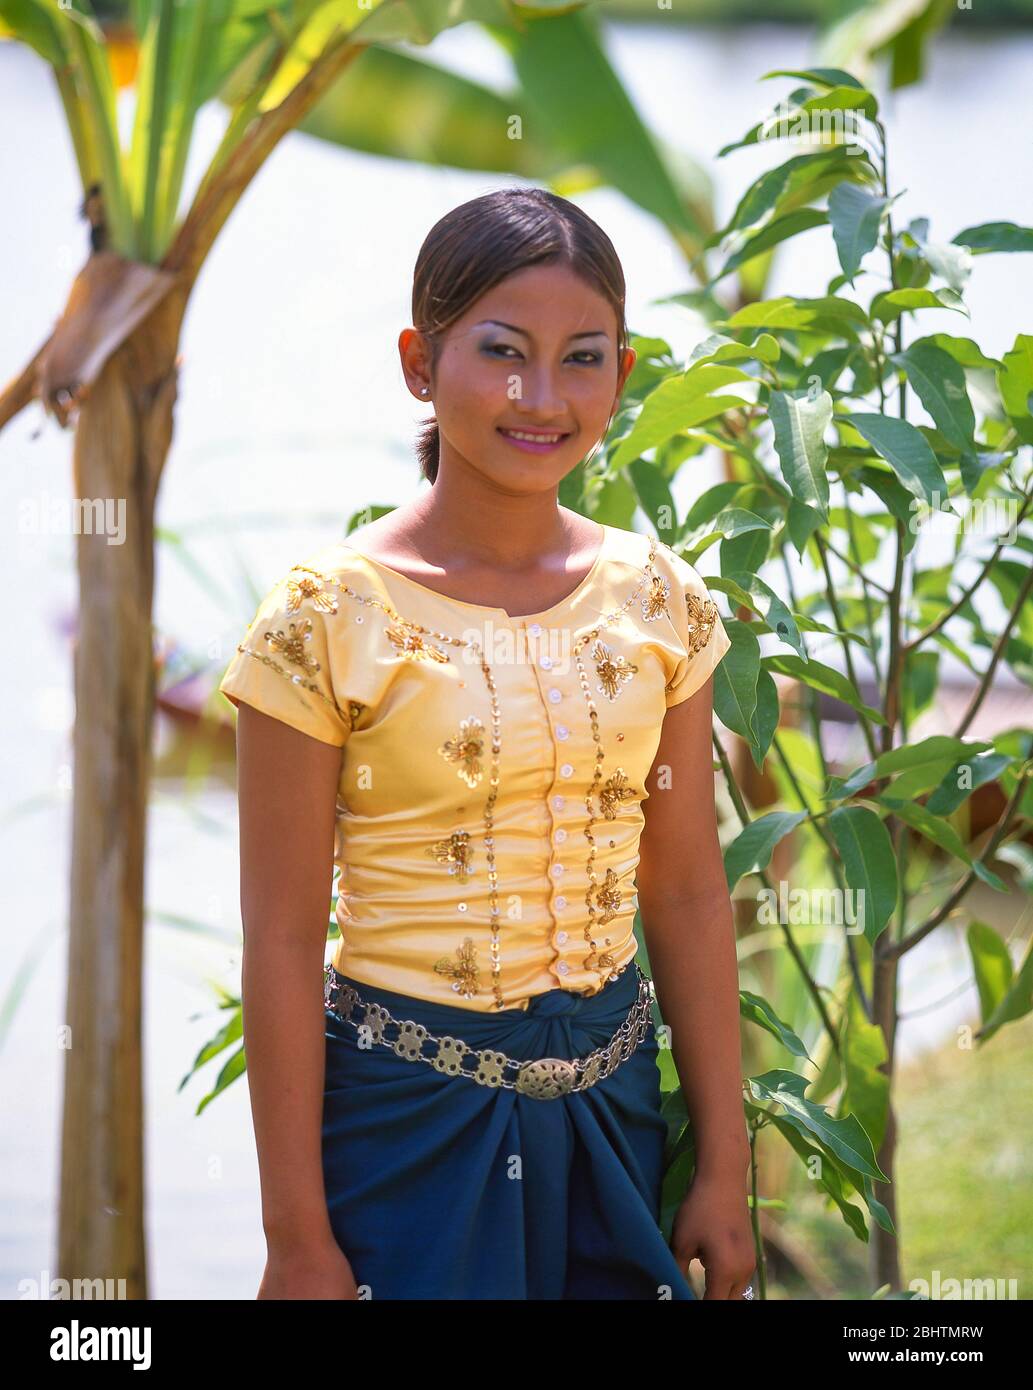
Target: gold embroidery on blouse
{"type": "Point", "coordinates": [309, 586]}
{"type": "Point", "coordinates": [614, 671]}
{"type": "Point", "coordinates": [466, 749]}
{"type": "Point", "coordinates": [616, 790]}
{"type": "Point", "coordinates": [405, 627]}
{"type": "Point", "coordinates": [292, 645]}
{"type": "Point", "coordinates": [608, 897]}
{"type": "Point", "coordinates": [654, 605]}
{"type": "Point", "coordinates": [702, 618]}
{"type": "Point", "coordinates": [457, 852]}
{"type": "Point", "coordinates": [409, 642]}
{"type": "Point", "coordinates": [297, 680]}
{"type": "Point", "coordinates": [463, 970]}
{"type": "Point", "coordinates": [603, 963]}
{"type": "Point", "coordinates": [355, 709]}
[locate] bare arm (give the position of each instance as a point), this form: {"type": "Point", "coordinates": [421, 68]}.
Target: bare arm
{"type": "Point", "coordinates": [689, 931]}
{"type": "Point", "coordinates": [287, 790]}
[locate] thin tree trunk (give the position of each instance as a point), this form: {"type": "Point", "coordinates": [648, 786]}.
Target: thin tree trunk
{"type": "Point", "coordinates": [885, 1250]}
{"type": "Point", "coordinates": [122, 438]}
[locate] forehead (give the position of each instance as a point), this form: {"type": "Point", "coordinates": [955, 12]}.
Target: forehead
{"type": "Point", "coordinates": [544, 299]}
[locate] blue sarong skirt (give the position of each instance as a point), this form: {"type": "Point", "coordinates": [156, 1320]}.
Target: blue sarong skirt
{"type": "Point", "coordinates": [438, 1187]}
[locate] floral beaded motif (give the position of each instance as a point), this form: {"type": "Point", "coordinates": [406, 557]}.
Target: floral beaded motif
{"type": "Point", "coordinates": [292, 645]}
{"type": "Point", "coordinates": [614, 671]}
{"type": "Point", "coordinates": [654, 605]}
{"type": "Point", "coordinates": [309, 586]}
{"type": "Point", "coordinates": [410, 642]}
{"type": "Point", "coordinates": [457, 852]}
{"type": "Point", "coordinates": [462, 970]}
{"type": "Point", "coordinates": [466, 749]}
{"type": "Point", "coordinates": [702, 619]}
{"type": "Point", "coordinates": [615, 791]}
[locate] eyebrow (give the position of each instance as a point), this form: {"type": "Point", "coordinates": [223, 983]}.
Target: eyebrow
{"type": "Point", "coordinates": [592, 333]}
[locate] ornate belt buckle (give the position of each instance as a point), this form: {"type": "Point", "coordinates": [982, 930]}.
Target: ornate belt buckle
{"type": "Point", "coordinates": [546, 1078]}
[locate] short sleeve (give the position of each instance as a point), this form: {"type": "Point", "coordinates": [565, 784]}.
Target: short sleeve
{"type": "Point", "coordinates": [702, 638]}
{"type": "Point", "coordinates": [284, 665]}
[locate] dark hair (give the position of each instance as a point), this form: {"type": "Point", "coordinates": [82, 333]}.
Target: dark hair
{"type": "Point", "coordinates": [478, 244]}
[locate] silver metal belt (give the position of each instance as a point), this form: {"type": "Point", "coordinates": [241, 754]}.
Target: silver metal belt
{"type": "Point", "coordinates": [546, 1078]}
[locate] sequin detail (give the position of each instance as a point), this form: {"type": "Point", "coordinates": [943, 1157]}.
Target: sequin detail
{"type": "Point", "coordinates": [466, 749]}
{"type": "Point", "coordinates": [654, 605]}
{"type": "Point", "coordinates": [702, 619]}
{"type": "Point", "coordinates": [455, 851]}
{"type": "Point", "coordinates": [309, 586]}
{"type": "Point", "coordinates": [614, 671]}
{"type": "Point", "coordinates": [409, 641]}
{"type": "Point", "coordinates": [292, 645]}
{"type": "Point", "coordinates": [462, 971]}
{"type": "Point", "coordinates": [615, 791]}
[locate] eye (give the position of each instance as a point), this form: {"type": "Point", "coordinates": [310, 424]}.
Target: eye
{"type": "Point", "coordinates": [592, 356]}
{"type": "Point", "coordinates": [500, 349]}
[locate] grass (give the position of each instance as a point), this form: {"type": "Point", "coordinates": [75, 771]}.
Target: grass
{"type": "Point", "coordinates": [963, 1176]}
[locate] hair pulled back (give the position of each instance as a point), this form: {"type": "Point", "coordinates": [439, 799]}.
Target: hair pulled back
{"type": "Point", "coordinates": [481, 242]}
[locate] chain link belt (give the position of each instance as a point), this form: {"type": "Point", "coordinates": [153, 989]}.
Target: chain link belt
{"type": "Point", "coordinates": [546, 1078]}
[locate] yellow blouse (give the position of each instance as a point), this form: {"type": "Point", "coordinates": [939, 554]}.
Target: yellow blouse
{"type": "Point", "coordinates": [493, 767]}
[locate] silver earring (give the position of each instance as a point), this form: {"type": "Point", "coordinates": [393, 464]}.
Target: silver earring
{"type": "Point", "coordinates": [424, 390]}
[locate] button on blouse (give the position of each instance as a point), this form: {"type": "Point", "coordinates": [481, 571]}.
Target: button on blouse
{"type": "Point", "coordinates": [486, 760]}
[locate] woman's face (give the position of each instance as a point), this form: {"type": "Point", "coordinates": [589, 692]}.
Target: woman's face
{"type": "Point", "coordinates": [536, 355]}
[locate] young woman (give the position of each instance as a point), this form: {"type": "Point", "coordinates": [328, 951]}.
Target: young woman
{"type": "Point", "coordinates": [465, 705]}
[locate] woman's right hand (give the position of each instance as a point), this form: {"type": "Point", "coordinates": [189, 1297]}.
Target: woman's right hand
{"type": "Point", "coordinates": [308, 1272]}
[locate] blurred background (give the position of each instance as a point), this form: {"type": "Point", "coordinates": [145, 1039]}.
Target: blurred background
{"type": "Point", "coordinates": [292, 415]}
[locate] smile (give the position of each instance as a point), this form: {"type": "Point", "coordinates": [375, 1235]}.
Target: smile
{"type": "Point", "coordinates": [533, 439]}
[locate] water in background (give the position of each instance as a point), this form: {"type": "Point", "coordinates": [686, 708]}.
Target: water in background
{"type": "Point", "coordinates": [292, 414]}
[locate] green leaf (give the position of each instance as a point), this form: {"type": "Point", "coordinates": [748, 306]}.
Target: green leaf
{"type": "Point", "coordinates": [867, 1090]}
{"type": "Point", "coordinates": [940, 832]}
{"type": "Point", "coordinates": [755, 593]}
{"type": "Point", "coordinates": [963, 350]}
{"type": "Point", "coordinates": [719, 348]}
{"type": "Point", "coordinates": [735, 680]}
{"type": "Point", "coordinates": [752, 848]}
{"type": "Point", "coordinates": [905, 447]}
{"type": "Point", "coordinates": [800, 421]}
{"type": "Point", "coordinates": [824, 678]}
{"type": "Point", "coordinates": [939, 382]}
{"type": "Point", "coordinates": [996, 236]}
{"type": "Point", "coordinates": [893, 303]}
{"type": "Point", "coordinates": [920, 765]}
{"type": "Point", "coordinates": [1017, 1002]}
{"type": "Point", "coordinates": [654, 495]}
{"type": "Point", "coordinates": [856, 217]}
{"type": "Point", "coordinates": [677, 404]}
{"type": "Point", "coordinates": [844, 1137]}
{"type": "Point", "coordinates": [1015, 383]}
{"type": "Point", "coordinates": [824, 77]}
{"type": "Point", "coordinates": [757, 1010]}
{"type": "Point", "coordinates": [799, 175]}
{"type": "Point", "coordinates": [573, 92]}
{"type": "Point", "coordinates": [771, 234]}
{"type": "Point", "coordinates": [821, 1165]}
{"type": "Point", "coordinates": [962, 779]}
{"type": "Point", "coordinates": [736, 521]}
{"type": "Point", "coordinates": [991, 965]}
{"type": "Point", "coordinates": [869, 864]}
{"type": "Point", "coordinates": [833, 314]}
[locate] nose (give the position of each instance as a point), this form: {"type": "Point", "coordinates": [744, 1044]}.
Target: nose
{"type": "Point", "coordinates": [540, 395]}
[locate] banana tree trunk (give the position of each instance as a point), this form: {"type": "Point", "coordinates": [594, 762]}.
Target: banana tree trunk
{"type": "Point", "coordinates": [122, 438]}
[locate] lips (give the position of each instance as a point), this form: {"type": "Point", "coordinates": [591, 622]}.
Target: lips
{"type": "Point", "coordinates": [534, 439]}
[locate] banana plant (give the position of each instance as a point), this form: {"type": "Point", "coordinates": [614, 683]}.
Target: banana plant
{"type": "Point", "coordinates": [108, 370]}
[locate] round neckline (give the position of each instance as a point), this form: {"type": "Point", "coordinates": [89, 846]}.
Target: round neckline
{"type": "Point", "coordinates": [571, 598]}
